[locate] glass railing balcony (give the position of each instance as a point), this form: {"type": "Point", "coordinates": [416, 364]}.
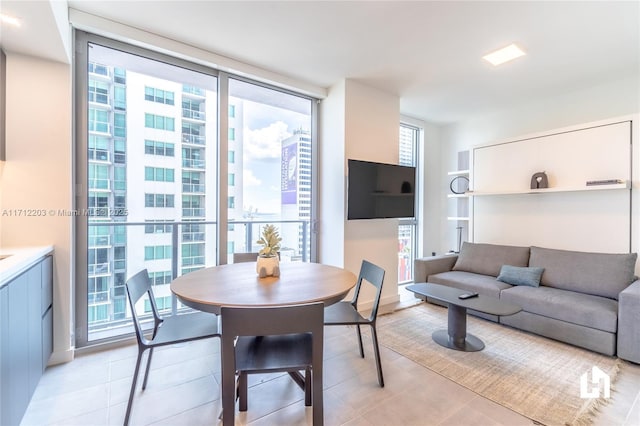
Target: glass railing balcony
{"type": "Point", "coordinates": [119, 158]}
{"type": "Point", "coordinates": [192, 90]}
{"type": "Point", "coordinates": [192, 237]}
{"type": "Point", "coordinates": [100, 70]}
{"type": "Point", "coordinates": [98, 297]}
{"type": "Point", "coordinates": [99, 240]}
{"type": "Point", "coordinates": [99, 98]}
{"type": "Point", "coordinates": [193, 114]}
{"type": "Point", "coordinates": [189, 269]}
{"type": "Point", "coordinates": [192, 212]}
{"type": "Point", "coordinates": [100, 127]}
{"type": "Point", "coordinates": [99, 155]}
{"type": "Point", "coordinates": [104, 184]}
{"type": "Point", "coordinates": [193, 139]}
{"type": "Point", "coordinates": [119, 291]}
{"type": "Point", "coordinates": [99, 269]}
{"type": "Point", "coordinates": [193, 188]}
{"type": "Point", "coordinates": [191, 163]}
{"type": "Point", "coordinates": [191, 261]}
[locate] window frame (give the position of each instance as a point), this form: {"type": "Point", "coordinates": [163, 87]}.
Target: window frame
{"type": "Point", "coordinates": [414, 223]}
{"type": "Point", "coordinates": [80, 65]}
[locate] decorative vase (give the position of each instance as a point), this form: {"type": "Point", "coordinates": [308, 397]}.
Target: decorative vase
{"type": "Point", "coordinates": [268, 266]}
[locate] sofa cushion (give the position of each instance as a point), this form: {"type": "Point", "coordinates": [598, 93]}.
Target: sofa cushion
{"type": "Point", "coordinates": [487, 259]}
{"type": "Point", "coordinates": [596, 312]}
{"type": "Point", "coordinates": [468, 281]}
{"type": "Point", "coordinates": [520, 275]}
{"type": "Point", "coordinates": [600, 274]}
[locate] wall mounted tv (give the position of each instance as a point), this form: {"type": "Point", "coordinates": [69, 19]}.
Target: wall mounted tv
{"type": "Point", "coordinates": [380, 190]}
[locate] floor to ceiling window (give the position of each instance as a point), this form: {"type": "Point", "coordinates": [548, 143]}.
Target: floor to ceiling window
{"type": "Point", "coordinates": [407, 242]}
{"type": "Point", "coordinates": [270, 167]}
{"type": "Point", "coordinates": [149, 137]}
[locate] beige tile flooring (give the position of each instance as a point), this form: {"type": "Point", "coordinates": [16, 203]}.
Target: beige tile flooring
{"type": "Point", "coordinates": [184, 389]}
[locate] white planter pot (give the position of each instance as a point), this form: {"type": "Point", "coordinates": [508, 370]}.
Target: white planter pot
{"type": "Point", "coordinates": [268, 266]}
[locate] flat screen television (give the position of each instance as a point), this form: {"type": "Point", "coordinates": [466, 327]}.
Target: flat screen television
{"type": "Point", "coordinates": [380, 190]}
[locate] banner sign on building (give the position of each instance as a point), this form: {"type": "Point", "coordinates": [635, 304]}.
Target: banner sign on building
{"type": "Point", "coordinates": [289, 173]}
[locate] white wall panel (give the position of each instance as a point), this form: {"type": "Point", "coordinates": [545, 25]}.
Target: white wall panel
{"type": "Point", "coordinates": [568, 158]}
{"type": "Point", "coordinates": [593, 220]}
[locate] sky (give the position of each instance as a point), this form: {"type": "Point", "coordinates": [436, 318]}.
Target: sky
{"type": "Point", "coordinates": [265, 127]}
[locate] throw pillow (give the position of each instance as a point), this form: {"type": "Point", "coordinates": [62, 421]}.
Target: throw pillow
{"type": "Point", "coordinates": [517, 275]}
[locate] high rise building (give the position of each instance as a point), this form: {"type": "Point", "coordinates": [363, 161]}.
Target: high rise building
{"type": "Point", "coordinates": [296, 193]}
{"type": "Point", "coordinates": [152, 161]}
{"type": "Point", "coordinates": [107, 189]}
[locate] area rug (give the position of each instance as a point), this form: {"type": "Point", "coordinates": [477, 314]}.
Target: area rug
{"type": "Point", "coordinates": [534, 376]}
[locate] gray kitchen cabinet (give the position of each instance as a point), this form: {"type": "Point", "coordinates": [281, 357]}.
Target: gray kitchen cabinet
{"type": "Point", "coordinates": [47, 310]}
{"type": "Point", "coordinates": [4, 354]}
{"type": "Point", "coordinates": [26, 336]}
{"type": "Point", "coordinates": [18, 347]}
{"type": "Point", "coordinates": [34, 327]}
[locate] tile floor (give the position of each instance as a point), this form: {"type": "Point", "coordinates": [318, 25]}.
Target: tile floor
{"type": "Point", "coordinates": [93, 390]}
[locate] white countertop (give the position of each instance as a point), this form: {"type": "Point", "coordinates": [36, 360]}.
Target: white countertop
{"type": "Point", "coordinates": [21, 259]}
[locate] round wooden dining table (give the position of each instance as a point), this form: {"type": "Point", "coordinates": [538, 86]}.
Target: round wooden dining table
{"type": "Point", "coordinates": [238, 285]}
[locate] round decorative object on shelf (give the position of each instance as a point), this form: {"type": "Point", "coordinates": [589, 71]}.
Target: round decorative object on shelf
{"type": "Point", "coordinates": [459, 185]}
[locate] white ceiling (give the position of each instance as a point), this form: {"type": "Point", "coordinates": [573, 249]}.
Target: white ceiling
{"type": "Point", "coordinates": [427, 52]}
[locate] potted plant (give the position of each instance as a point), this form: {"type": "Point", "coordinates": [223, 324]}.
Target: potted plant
{"type": "Point", "coordinates": [268, 262]}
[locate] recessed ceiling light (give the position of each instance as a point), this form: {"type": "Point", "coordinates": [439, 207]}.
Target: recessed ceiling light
{"type": "Point", "coordinates": [503, 55]}
{"type": "Point", "coordinates": [11, 20]}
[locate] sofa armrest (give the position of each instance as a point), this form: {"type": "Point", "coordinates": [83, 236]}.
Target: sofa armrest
{"type": "Point", "coordinates": [426, 266]}
{"type": "Point", "coordinates": [629, 323]}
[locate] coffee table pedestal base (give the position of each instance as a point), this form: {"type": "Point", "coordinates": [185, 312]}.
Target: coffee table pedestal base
{"type": "Point", "coordinates": [456, 336]}
{"type": "Point", "coordinates": [470, 343]}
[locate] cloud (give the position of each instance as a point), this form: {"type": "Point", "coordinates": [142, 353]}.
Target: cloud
{"type": "Point", "coordinates": [265, 143]}
{"type": "Point", "coordinates": [249, 179]}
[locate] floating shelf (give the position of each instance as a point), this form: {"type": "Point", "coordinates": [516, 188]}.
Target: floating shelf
{"type": "Point", "coordinates": [458, 173]}
{"type": "Point", "coordinates": [624, 185]}
{"type": "Point", "coordinates": [460, 218]}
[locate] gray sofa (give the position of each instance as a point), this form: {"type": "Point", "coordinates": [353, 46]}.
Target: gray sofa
{"type": "Point", "coordinates": [591, 300]}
